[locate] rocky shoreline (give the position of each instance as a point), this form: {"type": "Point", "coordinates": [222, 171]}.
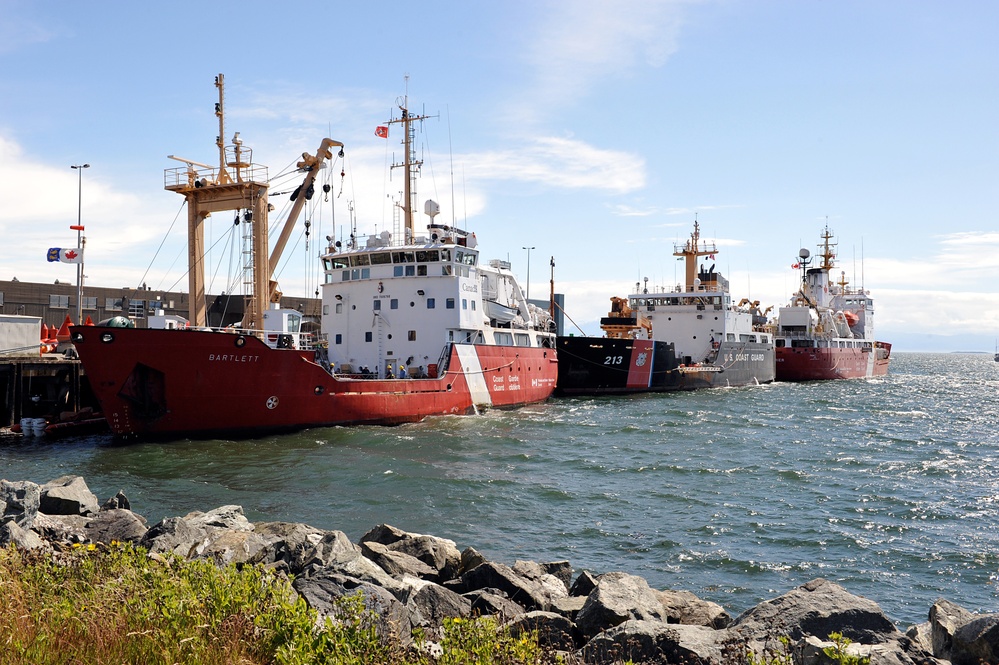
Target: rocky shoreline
{"type": "Point", "coordinates": [417, 581]}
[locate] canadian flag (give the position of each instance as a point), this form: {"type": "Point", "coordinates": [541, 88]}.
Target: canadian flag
{"type": "Point", "coordinates": [71, 255]}
{"type": "Point", "coordinates": [381, 131]}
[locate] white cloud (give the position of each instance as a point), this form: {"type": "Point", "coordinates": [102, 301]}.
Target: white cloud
{"type": "Point", "coordinates": [581, 42]}
{"type": "Point", "coordinates": [560, 162]}
{"type": "Point", "coordinates": [17, 32]}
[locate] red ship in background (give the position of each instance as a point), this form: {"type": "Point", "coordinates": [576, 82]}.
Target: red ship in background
{"type": "Point", "coordinates": [827, 330]}
{"type": "Point", "coordinates": [414, 325]}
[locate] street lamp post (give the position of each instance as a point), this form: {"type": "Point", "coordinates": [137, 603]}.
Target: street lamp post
{"type": "Point", "coordinates": [79, 241]}
{"type": "Point", "coordinates": [528, 272]}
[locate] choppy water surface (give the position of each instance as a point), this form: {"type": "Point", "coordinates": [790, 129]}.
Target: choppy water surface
{"type": "Point", "coordinates": [887, 486]}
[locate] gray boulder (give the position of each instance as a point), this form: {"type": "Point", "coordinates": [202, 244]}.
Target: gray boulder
{"type": "Point", "coordinates": [619, 597]}
{"type": "Point", "coordinates": [554, 631]}
{"type": "Point", "coordinates": [68, 495]}
{"type": "Point", "coordinates": [813, 651]}
{"type": "Point", "coordinates": [977, 641]}
{"type": "Point", "coordinates": [560, 569]}
{"type": "Point", "coordinates": [655, 642]}
{"type": "Point", "coordinates": [817, 608]}
{"type": "Point", "coordinates": [584, 584]}
{"type": "Point", "coordinates": [522, 590]}
{"type": "Point", "coordinates": [325, 594]}
{"type": "Point", "coordinates": [470, 558]}
{"type": "Point", "coordinates": [685, 607]}
{"type": "Point", "coordinates": [22, 539]}
{"type": "Point", "coordinates": [334, 554]}
{"type": "Point", "coordinates": [397, 564]}
{"type": "Point", "coordinates": [19, 502]}
{"type": "Point", "coordinates": [569, 606]}
{"type": "Point", "coordinates": [440, 554]}
{"type": "Point", "coordinates": [945, 619]}
{"type": "Point", "coordinates": [66, 529]}
{"type": "Point", "coordinates": [287, 543]}
{"type": "Point", "coordinates": [922, 636]}
{"type": "Point", "coordinates": [226, 546]}
{"type": "Point", "coordinates": [119, 500]}
{"type": "Point", "coordinates": [433, 604]}
{"type": "Point", "coordinates": [118, 524]}
{"type": "Point", "coordinates": [493, 602]}
{"type": "Point", "coordinates": [177, 536]}
{"type": "Point", "coordinates": [553, 585]}
{"type": "Point", "coordinates": [224, 517]}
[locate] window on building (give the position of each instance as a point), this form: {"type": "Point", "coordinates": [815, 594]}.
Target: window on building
{"type": "Point", "coordinates": [1, 298]}
{"type": "Point", "coordinates": [431, 303]}
{"type": "Point", "coordinates": [412, 335]}
{"type": "Point", "coordinates": [464, 303]}
{"type": "Point", "coordinates": [90, 302]}
{"type": "Point", "coordinates": [112, 304]}
{"type": "Point", "coordinates": [137, 309]}
{"type": "Point", "coordinates": [338, 309]}
{"type": "Point", "coordinates": [367, 336]}
{"type": "Point", "coordinates": [338, 339]}
{"type": "Point", "coordinates": [59, 302]}
{"type": "Point", "coordinates": [394, 303]}
{"type": "Point", "coordinates": [450, 303]}
{"type": "Point", "coordinates": [378, 305]}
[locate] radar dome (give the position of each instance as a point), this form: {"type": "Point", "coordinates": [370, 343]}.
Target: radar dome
{"type": "Point", "coordinates": [804, 253]}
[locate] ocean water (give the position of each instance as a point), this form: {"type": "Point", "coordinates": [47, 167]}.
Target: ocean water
{"type": "Point", "coordinates": [889, 486]}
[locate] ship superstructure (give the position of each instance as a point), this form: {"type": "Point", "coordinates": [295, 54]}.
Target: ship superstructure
{"type": "Point", "coordinates": [827, 329]}
{"type": "Point", "coordinates": [687, 337]}
{"type": "Point", "coordinates": [414, 325]}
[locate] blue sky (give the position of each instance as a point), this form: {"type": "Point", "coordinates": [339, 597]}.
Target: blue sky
{"type": "Point", "coordinates": [591, 131]}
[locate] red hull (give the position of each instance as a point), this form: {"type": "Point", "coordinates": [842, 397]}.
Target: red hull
{"type": "Point", "coordinates": [819, 364]}
{"type": "Point", "coordinates": [168, 382]}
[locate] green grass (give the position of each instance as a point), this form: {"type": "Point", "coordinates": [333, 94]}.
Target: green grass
{"type": "Point", "coordinates": [97, 604]}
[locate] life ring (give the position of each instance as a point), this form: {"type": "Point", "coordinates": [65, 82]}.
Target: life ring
{"type": "Point", "coordinates": [381, 287]}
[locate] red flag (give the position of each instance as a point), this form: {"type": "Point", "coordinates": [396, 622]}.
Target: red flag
{"type": "Point", "coordinates": [381, 131]}
{"type": "Point", "coordinates": [795, 265]}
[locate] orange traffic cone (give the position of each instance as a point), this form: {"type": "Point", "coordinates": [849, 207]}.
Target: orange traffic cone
{"type": "Point", "coordinates": [89, 321]}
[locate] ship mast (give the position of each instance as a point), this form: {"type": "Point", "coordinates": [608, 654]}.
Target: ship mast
{"type": "Point", "coordinates": [690, 253]}
{"type": "Point", "coordinates": [409, 163]}
{"type": "Point", "coordinates": [828, 253]}
{"type": "Point", "coordinates": [237, 184]}
{"type": "Point", "coordinates": [209, 189]}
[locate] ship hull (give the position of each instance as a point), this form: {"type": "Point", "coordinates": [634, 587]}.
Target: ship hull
{"type": "Point", "coordinates": [823, 363]}
{"type": "Point", "coordinates": [607, 366]}
{"type": "Point", "coordinates": [162, 383]}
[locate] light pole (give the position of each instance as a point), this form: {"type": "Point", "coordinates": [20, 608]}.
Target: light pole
{"type": "Point", "coordinates": [79, 241]}
{"type": "Point", "coordinates": [528, 272]}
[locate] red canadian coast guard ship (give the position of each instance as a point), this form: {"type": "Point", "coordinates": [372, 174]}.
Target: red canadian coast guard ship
{"type": "Point", "coordinates": [827, 330]}
{"type": "Point", "coordinates": [414, 324]}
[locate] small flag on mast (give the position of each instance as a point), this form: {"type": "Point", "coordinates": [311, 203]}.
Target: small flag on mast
{"type": "Point", "coordinates": [381, 131]}
{"type": "Point", "coordinates": [71, 255]}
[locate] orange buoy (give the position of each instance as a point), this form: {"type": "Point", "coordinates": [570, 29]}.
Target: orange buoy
{"type": "Point", "coordinates": [63, 334]}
